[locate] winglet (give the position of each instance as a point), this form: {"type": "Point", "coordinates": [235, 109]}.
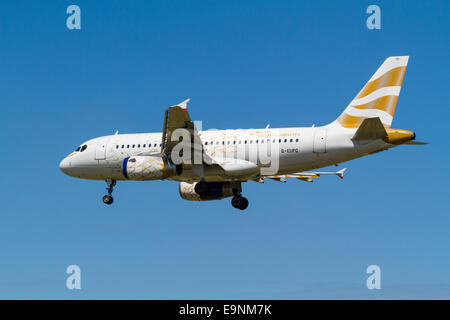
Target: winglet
{"type": "Point", "coordinates": [183, 105]}
{"type": "Point", "coordinates": [340, 173]}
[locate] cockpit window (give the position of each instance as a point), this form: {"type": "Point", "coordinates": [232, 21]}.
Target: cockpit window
{"type": "Point", "coordinates": [83, 148]}
{"type": "Point", "coordinates": [77, 149]}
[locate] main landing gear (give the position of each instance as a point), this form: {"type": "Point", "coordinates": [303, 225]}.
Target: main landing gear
{"type": "Point", "coordinates": [238, 201]}
{"type": "Point", "coordinates": [219, 190]}
{"type": "Point", "coordinates": [108, 199]}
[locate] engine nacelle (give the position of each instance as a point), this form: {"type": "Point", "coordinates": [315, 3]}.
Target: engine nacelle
{"type": "Point", "coordinates": [216, 190]}
{"type": "Point", "coordinates": [148, 168]}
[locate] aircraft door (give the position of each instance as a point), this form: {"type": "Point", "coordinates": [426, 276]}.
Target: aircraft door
{"type": "Point", "coordinates": [100, 152]}
{"type": "Point", "coordinates": [320, 140]}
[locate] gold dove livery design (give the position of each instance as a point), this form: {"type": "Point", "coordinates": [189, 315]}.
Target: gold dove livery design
{"type": "Point", "coordinates": [213, 164]}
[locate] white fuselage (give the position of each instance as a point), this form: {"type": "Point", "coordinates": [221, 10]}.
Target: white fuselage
{"type": "Point", "coordinates": [299, 149]}
{"type": "Point", "coordinates": [212, 164]}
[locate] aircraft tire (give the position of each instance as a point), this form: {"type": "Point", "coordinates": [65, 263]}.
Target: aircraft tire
{"type": "Point", "coordinates": [239, 202]}
{"type": "Point", "coordinates": [108, 199]}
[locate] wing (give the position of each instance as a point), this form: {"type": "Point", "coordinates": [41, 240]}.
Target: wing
{"type": "Point", "coordinates": [177, 118]}
{"type": "Point", "coordinates": [179, 132]}
{"type": "Point", "coordinates": [304, 176]}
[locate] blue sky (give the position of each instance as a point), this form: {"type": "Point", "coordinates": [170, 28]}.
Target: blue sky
{"type": "Point", "coordinates": [244, 64]}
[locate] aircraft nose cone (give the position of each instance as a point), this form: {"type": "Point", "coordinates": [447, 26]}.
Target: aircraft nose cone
{"type": "Point", "coordinates": [64, 166]}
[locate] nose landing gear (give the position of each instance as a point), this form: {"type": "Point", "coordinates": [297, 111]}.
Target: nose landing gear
{"type": "Point", "coordinates": [108, 199]}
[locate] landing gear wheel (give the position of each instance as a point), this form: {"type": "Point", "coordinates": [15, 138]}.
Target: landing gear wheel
{"type": "Point", "coordinates": [201, 188]}
{"type": "Point", "coordinates": [239, 202]}
{"type": "Point", "coordinates": [108, 199]}
{"type": "Point", "coordinates": [244, 204]}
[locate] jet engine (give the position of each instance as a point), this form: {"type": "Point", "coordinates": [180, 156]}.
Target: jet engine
{"type": "Point", "coordinates": [208, 190]}
{"type": "Point", "coordinates": [149, 168]}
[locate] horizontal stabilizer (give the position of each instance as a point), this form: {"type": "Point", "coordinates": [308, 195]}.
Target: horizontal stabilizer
{"type": "Point", "coordinates": [370, 129]}
{"type": "Point", "coordinates": [416, 143]}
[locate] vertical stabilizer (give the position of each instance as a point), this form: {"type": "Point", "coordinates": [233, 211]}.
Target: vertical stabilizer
{"type": "Point", "coordinates": [378, 97]}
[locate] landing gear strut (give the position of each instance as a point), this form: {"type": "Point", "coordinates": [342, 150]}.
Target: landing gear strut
{"type": "Point", "coordinates": [108, 199]}
{"type": "Point", "coordinates": [238, 201]}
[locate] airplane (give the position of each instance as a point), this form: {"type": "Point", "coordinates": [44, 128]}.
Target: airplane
{"type": "Point", "coordinates": [212, 164]}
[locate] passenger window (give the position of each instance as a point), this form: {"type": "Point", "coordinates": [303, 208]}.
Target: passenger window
{"type": "Point", "coordinates": [117, 147]}
{"type": "Point", "coordinates": [144, 145]}
{"type": "Point", "coordinates": [290, 140]}
{"type": "Point", "coordinates": [296, 140]}
{"type": "Point", "coordinates": [128, 145]}
{"type": "Point", "coordinates": [133, 146]}
{"type": "Point", "coordinates": [285, 140]}
{"type": "Point", "coordinates": [206, 143]}
{"type": "Point", "coordinates": [139, 145]}
{"type": "Point", "coordinates": [228, 142]}
{"type": "Point", "coordinates": [123, 146]}
{"type": "Point", "coordinates": [279, 140]}
{"type": "Point", "coordinates": [256, 141]}
{"type": "Point", "coordinates": [245, 141]}
{"type": "Point", "coordinates": [154, 145]}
